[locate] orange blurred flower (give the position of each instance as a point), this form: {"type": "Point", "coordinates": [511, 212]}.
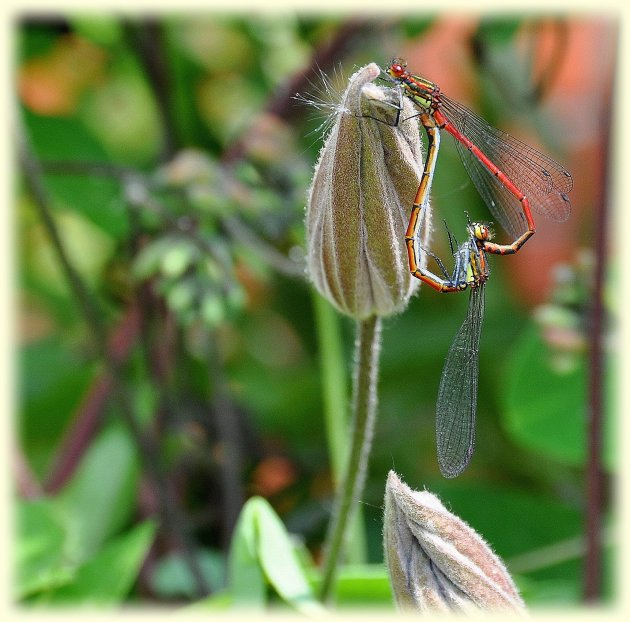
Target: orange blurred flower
{"type": "Point", "coordinates": [52, 84]}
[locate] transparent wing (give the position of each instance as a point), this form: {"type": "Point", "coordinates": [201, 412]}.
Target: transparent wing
{"type": "Point", "coordinates": [457, 397]}
{"type": "Point", "coordinates": [544, 181]}
{"type": "Point", "coordinates": [505, 208]}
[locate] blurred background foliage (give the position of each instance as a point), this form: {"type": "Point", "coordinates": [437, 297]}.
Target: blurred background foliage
{"type": "Point", "coordinates": [170, 347]}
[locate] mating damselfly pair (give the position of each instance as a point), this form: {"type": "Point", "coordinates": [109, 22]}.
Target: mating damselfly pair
{"type": "Point", "coordinates": [513, 179]}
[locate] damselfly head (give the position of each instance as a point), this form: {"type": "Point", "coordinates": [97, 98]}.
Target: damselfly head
{"type": "Point", "coordinates": [481, 231]}
{"type": "Point", "coordinates": [397, 68]}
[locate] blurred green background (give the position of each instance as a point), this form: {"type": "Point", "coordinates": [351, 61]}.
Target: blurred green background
{"type": "Point", "coordinates": [170, 346]}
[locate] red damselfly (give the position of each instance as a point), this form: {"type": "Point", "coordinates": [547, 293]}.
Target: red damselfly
{"type": "Point", "coordinates": [511, 177]}
{"type": "Point", "coordinates": [457, 397]}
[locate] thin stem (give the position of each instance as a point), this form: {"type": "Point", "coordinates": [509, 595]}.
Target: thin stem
{"type": "Point", "coordinates": [27, 484]}
{"type": "Point", "coordinates": [33, 178]}
{"type": "Point", "coordinates": [92, 169]}
{"type": "Point", "coordinates": [556, 553]}
{"type": "Point", "coordinates": [335, 399]}
{"type": "Point", "coordinates": [91, 411]}
{"type": "Point", "coordinates": [553, 61]}
{"type": "Point", "coordinates": [147, 38]}
{"type": "Point", "coordinates": [367, 351]}
{"type": "Point", "coordinates": [240, 232]}
{"type": "Point", "coordinates": [333, 376]}
{"type": "Point", "coordinates": [229, 436]}
{"type": "Point", "coordinates": [594, 472]}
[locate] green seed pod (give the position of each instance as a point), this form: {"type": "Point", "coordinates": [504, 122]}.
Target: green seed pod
{"type": "Point", "coordinates": [360, 201]}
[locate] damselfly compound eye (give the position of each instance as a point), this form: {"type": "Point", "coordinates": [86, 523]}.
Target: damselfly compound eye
{"type": "Point", "coordinates": [396, 69]}
{"type": "Point", "coordinates": [481, 231]}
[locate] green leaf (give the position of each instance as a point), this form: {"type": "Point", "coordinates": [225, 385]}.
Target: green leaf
{"type": "Point", "coordinates": [527, 520]}
{"type": "Point", "coordinates": [100, 496]}
{"type": "Point", "coordinates": [109, 576]}
{"type": "Point", "coordinates": [221, 601]}
{"type": "Point", "coordinates": [172, 576]}
{"type": "Point", "coordinates": [246, 578]}
{"type": "Point", "coordinates": [279, 560]}
{"type": "Point", "coordinates": [363, 585]}
{"type": "Point", "coordinates": [178, 257]}
{"type": "Point", "coordinates": [121, 113]}
{"type": "Point", "coordinates": [149, 259]}
{"type": "Point", "coordinates": [550, 592]}
{"type": "Point", "coordinates": [88, 248]}
{"type": "Point", "coordinates": [545, 409]}
{"type": "Point", "coordinates": [262, 545]}
{"type": "Point", "coordinates": [104, 30]}
{"type": "Point", "coordinates": [180, 296]}
{"type": "Point", "coordinates": [498, 31]}
{"type": "Point", "coordinates": [416, 26]}
{"type": "Point", "coordinates": [33, 42]}
{"type": "Point", "coordinates": [212, 309]}
{"type": "Point", "coordinates": [53, 380]}
{"type": "Point", "coordinates": [96, 198]}
{"type": "Point", "coordinates": [40, 559]}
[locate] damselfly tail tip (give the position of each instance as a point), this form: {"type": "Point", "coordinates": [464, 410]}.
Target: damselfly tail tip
{"type": "Point", "coordinates": [450, 471]}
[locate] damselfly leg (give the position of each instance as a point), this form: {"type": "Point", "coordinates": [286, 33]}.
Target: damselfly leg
{"type": "Point", "coordinates": [457, 397]}
{"type": "Point", "coordinates": [511, 177]}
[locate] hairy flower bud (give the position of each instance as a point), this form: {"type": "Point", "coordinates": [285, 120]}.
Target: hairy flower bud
{"type": "Point", "coordinates": [436, 562]}
{"type": "Point", "coordinates": [360, 201]}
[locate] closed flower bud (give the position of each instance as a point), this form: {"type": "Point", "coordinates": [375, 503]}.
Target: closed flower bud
{"type": "Point", "coordinates": [360, 201]}
{"type": "Point", "coordinates": [436, 562]}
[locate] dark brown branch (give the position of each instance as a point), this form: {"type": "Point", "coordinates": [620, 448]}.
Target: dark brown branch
{"type": "Point", "coordinates": [95, 169]}
{"type": "Point", "coordinates": [553, 62]}
{"type": "Point", "coordinates": [596, 328]}
{"type": "Point", "coordinates": [147, 446]}
{"type": "Point", "coordinates": [148, 40]}
{"type": "Point", "coordinates": [228, 433]}
{"type": "Point", "coordinates": [34, 181]}
{"type": "Point", "coordinates": [283, 105]}
{"type": "Point", "coordinates": [28, 486]}
{"type": "Point", "coordinates": [90, 413]}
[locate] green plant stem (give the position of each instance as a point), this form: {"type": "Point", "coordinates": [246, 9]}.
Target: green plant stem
{"type": "Point", "coordinates": [367, 350]}
{"type": "Point", "coordinates": [335, 398]}
{"type": "Point", "coordinates": [33, 180]}
{"type": "Point", "coordinates": [557, 553]}
{"type": "Point", "coordinates": [333, 383]}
